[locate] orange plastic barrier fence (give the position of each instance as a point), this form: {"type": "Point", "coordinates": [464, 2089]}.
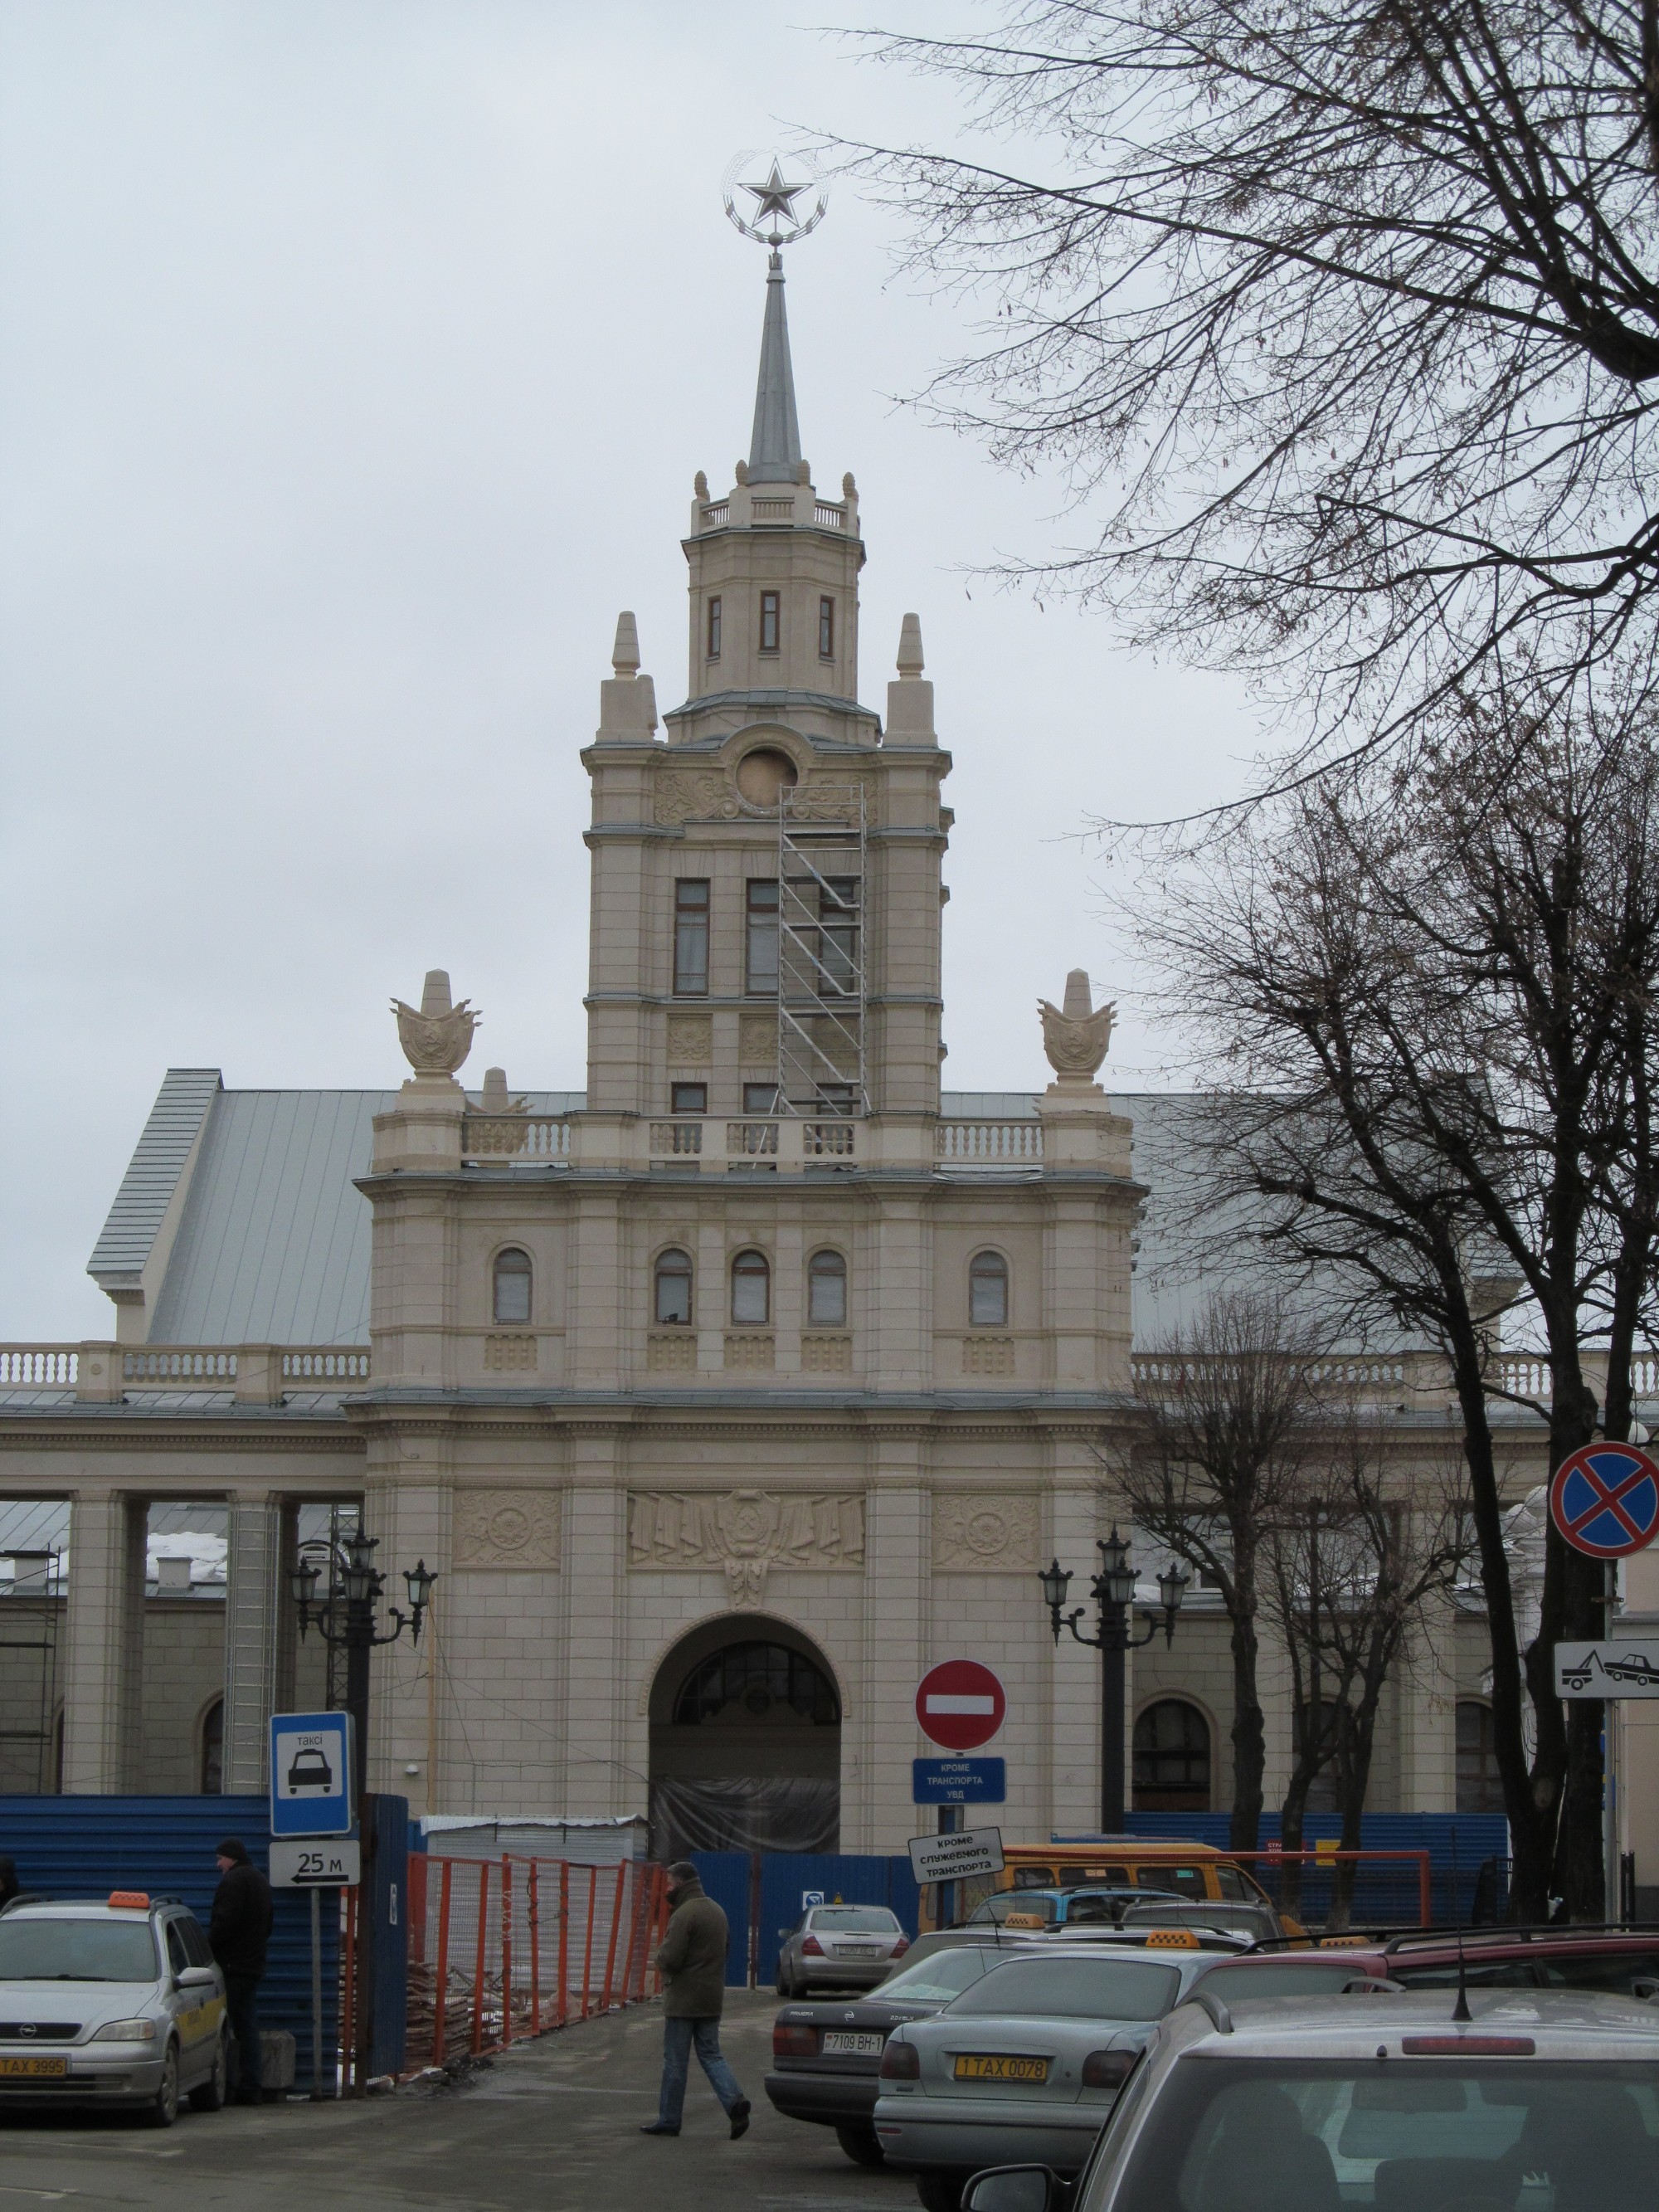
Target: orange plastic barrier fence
{"type": "Point", "coordinates": [485, 1968]}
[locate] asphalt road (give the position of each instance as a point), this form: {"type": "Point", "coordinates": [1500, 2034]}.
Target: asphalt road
{"type": "Point", "coordinates": [549, 2127]}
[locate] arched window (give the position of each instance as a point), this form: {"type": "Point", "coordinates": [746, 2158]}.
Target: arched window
{"type": "Point", "coordinates": [752, 1290]}
{"type": "Point", "coordinates": [511, 1300]}
{"type": "Point", "coordinates": [673, 1305]}
{"type": "Point", "coordinates": [1172, 1758]}
{"type": "Point", "coordinates": [826, 1290]}
{"type": "Point", "coordinates": [1479, 1787]}
{"type": "Point", "coordinates": [211, 1766]}
{"type": "Point", "coordinates": [988, 1291]}
{"type": "Point", "coordinates": [756, 1686]}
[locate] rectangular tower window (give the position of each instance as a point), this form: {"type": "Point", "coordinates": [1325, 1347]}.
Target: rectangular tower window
{"type": "Point", "coordinates": [689, 1099]}
{"type": "Point", "coordinates": [691, 938]}
{"type": "Point", "coordinates": [826, 630]}
{"type": "Point", "coordinates": [768, 627]}
{"type": "Point", "coordinates": [760, 1097]}
{"type": "Point", "coordinates": [760, 942]}
{"type": "Point", "coordinates": [714, 628]}
{"type": "Point", "coordinates": [838, 935]}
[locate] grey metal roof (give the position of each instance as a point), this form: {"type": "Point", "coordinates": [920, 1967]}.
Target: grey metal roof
{"type": "Point", "coordinates": [774, 448]}
{"type": "Point", "coordinates": [182, 1104]}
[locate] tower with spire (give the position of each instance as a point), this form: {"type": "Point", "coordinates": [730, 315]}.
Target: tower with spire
{"type": "Point", "coordinates": [767, 888]}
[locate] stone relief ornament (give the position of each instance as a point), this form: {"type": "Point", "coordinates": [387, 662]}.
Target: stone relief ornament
{"type": "Point", "coordinates": [507, 1529]}
{"type": "Point", "coordinates": [758, 1038]}
{"type": "Point", "coordinates": [438, 1038]}
{"type": "Point", "coordinates": [689, 1040]}
{"type": "Point", "coordinates": [692, 795]}
{"type": "Point", "coordinates": [977, 1533]}
{"type": "Point", "coordinates": [1076, 1039]}
{"type": "Point", "coordinates": [747, 1533]}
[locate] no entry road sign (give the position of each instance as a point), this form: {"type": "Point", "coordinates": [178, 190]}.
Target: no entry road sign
{"type": "Point", "coordinates": [1604, 1499]}
{"type": "Point", "coordinates": [960, 1704]}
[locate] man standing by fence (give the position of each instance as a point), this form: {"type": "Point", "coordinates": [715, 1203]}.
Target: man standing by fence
{"type": "Point", "coordinates": [238, 1934]}
{"type": "Point", "coordinates": [691, 1958]}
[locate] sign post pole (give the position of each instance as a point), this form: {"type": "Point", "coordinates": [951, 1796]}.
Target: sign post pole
{"type": "Point", "coordinates": [316, 1997]}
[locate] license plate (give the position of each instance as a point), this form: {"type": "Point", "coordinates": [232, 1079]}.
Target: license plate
{"type": "Point", "coordinates": [996, 2066]}
{"type": "Point", "coordinates": [837, 2042]}
{"type": "Point", "coordinates": [857, 1951]}
{"type": "Point", "coordinates": [33, 2070]}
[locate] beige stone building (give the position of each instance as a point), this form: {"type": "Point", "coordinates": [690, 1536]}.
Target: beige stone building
{"type": "Point", "coordinates": [725, 1395]}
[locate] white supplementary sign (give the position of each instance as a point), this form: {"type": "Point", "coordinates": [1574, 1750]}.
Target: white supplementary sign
{"type": "Point", "coordinates": [954, 1857]}
{"type": "Point", "coordinates": [1627, 1666]}
{"type": "Point", "coordinates": [302, 1865]}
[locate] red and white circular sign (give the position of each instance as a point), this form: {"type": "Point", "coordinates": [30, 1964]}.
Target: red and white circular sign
{"type": "Point", "coordinates": [960, 1704]}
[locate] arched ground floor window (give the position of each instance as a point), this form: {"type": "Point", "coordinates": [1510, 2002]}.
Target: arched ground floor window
{"type": "Point", "coordinates": [1172, 1758]}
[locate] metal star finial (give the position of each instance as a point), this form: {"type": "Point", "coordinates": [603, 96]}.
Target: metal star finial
{"type": "Point", "coordinates": [774, 198]}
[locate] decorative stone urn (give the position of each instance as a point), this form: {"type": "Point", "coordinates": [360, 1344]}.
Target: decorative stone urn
{"type": "Point", "coordinates": [1076, 1037]}
{"type": "Point", "coordinates": [438, 1038]}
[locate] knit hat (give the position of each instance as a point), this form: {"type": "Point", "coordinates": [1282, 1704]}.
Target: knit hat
{"type": "Point", "coordinates": [233, 1847]}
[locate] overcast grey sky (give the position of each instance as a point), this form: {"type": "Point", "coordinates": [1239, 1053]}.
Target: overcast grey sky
{"type": "Point", "coordinates": [356, 359]}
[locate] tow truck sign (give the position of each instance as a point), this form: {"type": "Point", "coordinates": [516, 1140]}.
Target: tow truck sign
{"type": "Point", "coordinates": [1627, 1666]}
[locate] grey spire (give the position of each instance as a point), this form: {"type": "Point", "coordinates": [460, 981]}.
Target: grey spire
{"type": "Point", "coordinates": [775, 448]}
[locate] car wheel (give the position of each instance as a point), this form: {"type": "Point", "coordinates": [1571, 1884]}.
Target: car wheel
{"type": "Point", "coordinates": [208, 2096]}
{"type": "Point", "coordinates": [163, 2107]}
{"type": "Point", "coordinates": [940, 2192]}
{"type": "Point", "coordinates": [862, 2145]}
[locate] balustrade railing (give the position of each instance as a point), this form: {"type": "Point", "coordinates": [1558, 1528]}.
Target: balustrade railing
{"type": "Point", "coordinates": [40, 1365]}
{"type": "Point", "coordinates": [989, 1144]}
{"type": "Point", "coordinates": [515, 1137]}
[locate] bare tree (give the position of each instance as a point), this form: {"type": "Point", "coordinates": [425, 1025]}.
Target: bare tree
{"type": "Point", "coordinates": [1359, 1560]}
{"type": "Point", "coordinates": [1436, 996]}
{"type": "Point", "coordinates": [1340, 316]}
{"type": "Point", "coordinates": [1226, 1404]}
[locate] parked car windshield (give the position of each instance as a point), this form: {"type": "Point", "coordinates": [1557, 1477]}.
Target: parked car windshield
{"type": "Point", "coordinates": [1241, 1981]}
{"type": "Point", "coordinates": [1340, 2132]}
{"type": "Point", "coordinates": [76, 1951]}
{"type": "Point", "coordinates": [1074, 1989]}
{"type": "Point", "coordinates": [856, 1919]}
{"type": "Point", "coordinates": [943, 1975]}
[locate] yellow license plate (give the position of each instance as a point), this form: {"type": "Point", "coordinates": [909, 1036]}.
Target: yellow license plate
{"type": "Point", "coordinates": [995, 2066]}
{"type": "Point", "coordinates": [33, 2070]}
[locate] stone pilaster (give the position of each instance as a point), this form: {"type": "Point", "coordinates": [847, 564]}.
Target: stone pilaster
{"type": "Point", "coordinates": [253, 1597]}
{"type": "Point", "coordinates": [878, 1813]}
{"type": "Point", "coordinates": [102, 1667]}
{"type": "Point", "coordinates": [596, 1686]}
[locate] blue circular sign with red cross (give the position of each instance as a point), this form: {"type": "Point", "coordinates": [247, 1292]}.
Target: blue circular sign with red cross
{"type": "Point", "coordinates": [1604, 1498]}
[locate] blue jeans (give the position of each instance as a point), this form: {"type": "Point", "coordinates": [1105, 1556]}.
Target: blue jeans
{"type": "Point", "coordinates": [678, 2037]}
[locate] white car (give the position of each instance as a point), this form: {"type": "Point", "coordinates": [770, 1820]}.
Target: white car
{"type": "Point", "coordinates": [839, 1947]}
{"type": "Point", "coordinates": [1542, 2102]}
{"type": "Point", "coordinates": [117, 2004]}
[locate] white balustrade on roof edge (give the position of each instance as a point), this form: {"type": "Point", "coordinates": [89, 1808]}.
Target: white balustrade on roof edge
{"type": "Point", "coordinates": [989, 1144]}
{"type": "Point", "coordinates": [182, 1366]}
{"type": "Point", "coordinates": [515, 1136]}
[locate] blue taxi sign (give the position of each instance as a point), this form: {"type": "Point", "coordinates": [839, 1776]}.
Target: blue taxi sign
{"type": "Point", "coordinates": [310, 1774]}
{"type": "Point", "coordinates": [1604, 1498]}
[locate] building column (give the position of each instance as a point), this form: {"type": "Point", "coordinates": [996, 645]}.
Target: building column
{"type": "Point", "coordinates": [1425, 1690]}
{"type": "Point", "coordinates": [103, 1669]}
{"type": "Point", "coordinates": [598, 1694]}
{"type": "Point", "coordinates": [408, 1504]}
{"type": "Point", "coordinates": [254, 1562]}
{"type": "Point", "coordinates": [1073, 1745]}
{"type": "Point", "coordinates": [878, 1813]}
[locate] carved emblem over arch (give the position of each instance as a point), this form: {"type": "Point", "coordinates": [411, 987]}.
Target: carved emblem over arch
{"type": "Point", "coordinates": [747, 1533]}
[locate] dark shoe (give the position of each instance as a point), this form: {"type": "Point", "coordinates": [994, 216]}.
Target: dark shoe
{"type": "Point", "coordinates": [657, 2128]}
{"type": "Point", "coordinates": [738, 2116]}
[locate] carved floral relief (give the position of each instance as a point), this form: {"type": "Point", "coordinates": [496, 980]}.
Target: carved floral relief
{"type": "Point", "coordinates": [980, 1533]}
{"type": "Point", "coordinates": [507, 1529]}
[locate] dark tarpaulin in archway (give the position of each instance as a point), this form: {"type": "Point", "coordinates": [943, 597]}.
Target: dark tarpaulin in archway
{"type": "Point", "coordinates": [744, 1813]}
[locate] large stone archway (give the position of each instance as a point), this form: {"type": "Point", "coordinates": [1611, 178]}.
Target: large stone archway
{"type": "Point", "coordinates": [745, 1740]}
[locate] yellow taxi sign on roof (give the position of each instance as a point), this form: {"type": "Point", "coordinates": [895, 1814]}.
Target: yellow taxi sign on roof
{"type": "Point", "coordinates": [1023, 1920]}
{"type": "Point", "coordinates": [133, 1900]}
{"type": "Point", "coordinates": [1171, 1939]}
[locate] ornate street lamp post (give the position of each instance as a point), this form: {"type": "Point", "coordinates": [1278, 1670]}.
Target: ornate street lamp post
{"type": "Point", "coordinates": [1114, 1592]}
{"type": "Point", "coordinates": [346, 1618]}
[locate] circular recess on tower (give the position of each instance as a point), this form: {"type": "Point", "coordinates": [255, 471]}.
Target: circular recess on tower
{"type": "Point", "coordinates": [763, 773]}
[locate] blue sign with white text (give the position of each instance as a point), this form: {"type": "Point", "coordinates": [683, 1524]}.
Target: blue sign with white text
{"type": "Point", "coordinates": [310, 1774]}
{"type": "Point", "coordinates": [959, 1781]}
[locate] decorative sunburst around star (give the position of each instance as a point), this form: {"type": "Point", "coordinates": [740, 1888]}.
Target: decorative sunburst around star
{"type": "Point", "coordinates": [775, 219]}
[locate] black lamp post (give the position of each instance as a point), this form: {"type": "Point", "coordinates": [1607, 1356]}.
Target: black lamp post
{"type": "Point", "coordinates": [1114, 1592]}
{"type": "Point", "coordinates": [346, 1617]}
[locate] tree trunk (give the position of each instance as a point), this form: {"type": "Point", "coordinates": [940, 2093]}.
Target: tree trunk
{"type": "Point", "coordinates": [1249, 1739]}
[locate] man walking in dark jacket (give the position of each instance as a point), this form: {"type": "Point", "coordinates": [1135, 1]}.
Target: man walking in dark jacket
{"type": "Point", "coordinates": [238, 1932]}
{"type": "Point", "coordinates": [692, 1959]}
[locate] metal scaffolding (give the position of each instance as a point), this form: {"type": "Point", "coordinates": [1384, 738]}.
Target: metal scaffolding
{"type": "Point", "coordinates": [28, 1740]}
{"type": "Point", "coordinates": [822, 875]}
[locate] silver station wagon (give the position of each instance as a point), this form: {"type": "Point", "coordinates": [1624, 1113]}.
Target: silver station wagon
{"type": "Point", "coordinates": [1541, 2102]}
{"type": "Point", "coordinates": [114, 2004]}
{"type": "Point", "coordinates": [1026, 2063]}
